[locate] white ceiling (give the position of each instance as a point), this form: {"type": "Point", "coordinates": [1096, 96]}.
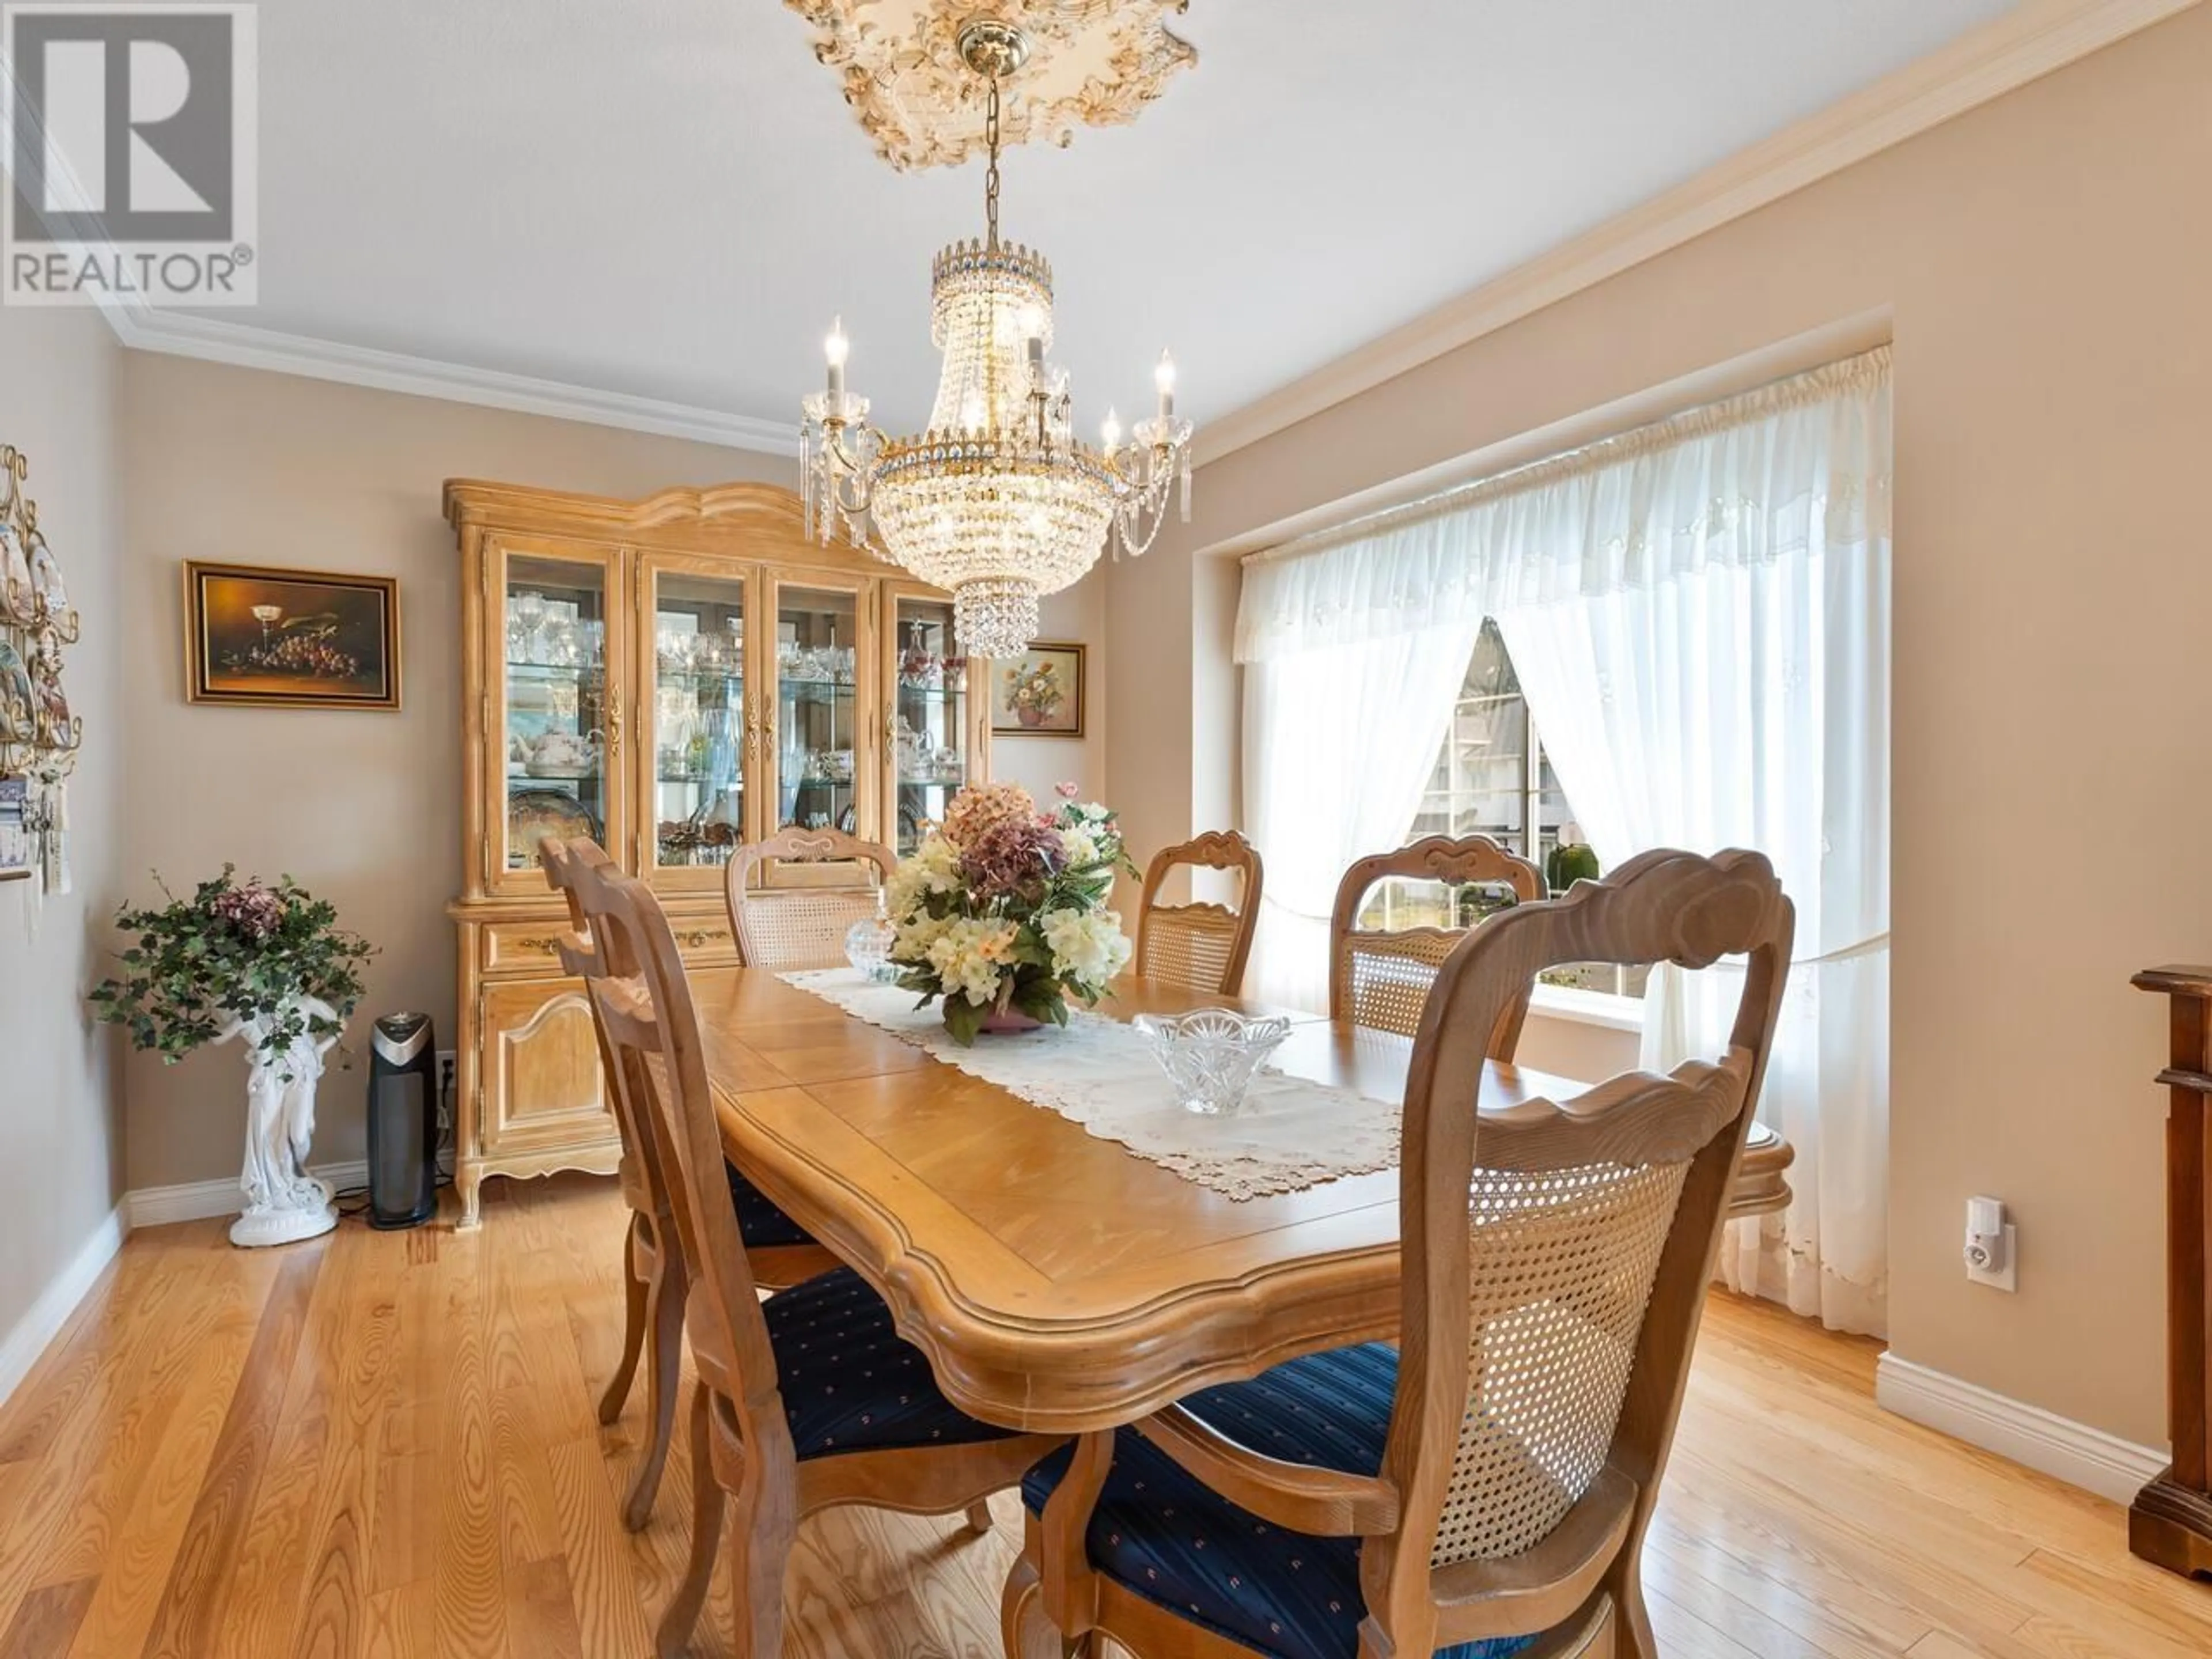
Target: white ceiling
{"type": "Point", "coordinates": [669, 199]}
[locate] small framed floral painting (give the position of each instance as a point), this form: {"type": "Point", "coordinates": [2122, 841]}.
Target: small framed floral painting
{"type": "Point", "coordinates": [1039, 694]}
{"type": "Point", "coordinates": [290, 638]}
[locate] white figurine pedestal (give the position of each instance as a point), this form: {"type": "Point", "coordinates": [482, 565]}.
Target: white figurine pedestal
{"type": "Point", "coordinates": [284, 1203]}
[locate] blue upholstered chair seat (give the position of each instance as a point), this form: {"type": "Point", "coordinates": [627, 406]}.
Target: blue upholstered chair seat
{"type": "Point", "coordinates": [759, 1222]}
{"type": "Point", "coordinates": [849, 1382]}
{"type": "Point", "coordinates": [1174, 1540]}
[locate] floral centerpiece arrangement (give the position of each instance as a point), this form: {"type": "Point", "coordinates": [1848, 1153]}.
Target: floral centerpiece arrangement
{"type": "Point", "coordinates": [1001, 911]}
{"type": "Point", "coordinates": [267, 965]}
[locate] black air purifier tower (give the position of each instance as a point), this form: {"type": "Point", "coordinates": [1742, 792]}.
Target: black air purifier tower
{"type": "Point", "coordinates": [403, 1122]}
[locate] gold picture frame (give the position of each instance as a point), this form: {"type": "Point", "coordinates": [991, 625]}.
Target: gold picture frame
{"type": "Point", "coordinates": [265, 636]}
{"type": "Point", "coordinates": [1041, 693]}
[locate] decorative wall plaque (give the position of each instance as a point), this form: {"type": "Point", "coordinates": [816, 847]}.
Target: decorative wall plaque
{"type": "Point", "coordinates": [1092, 62]}
{"type": "Point", "coordinates": [39, 735]}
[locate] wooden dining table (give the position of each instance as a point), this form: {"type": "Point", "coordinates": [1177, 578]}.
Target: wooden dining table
{"type": "Point", "coordinates": [1057, 1281]}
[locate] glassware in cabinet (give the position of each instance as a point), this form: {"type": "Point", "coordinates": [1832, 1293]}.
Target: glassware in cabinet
{"type": "Point", "coordinates": [557, 728]}
{"type": "Point", "coordinates": [930, 739]}
{"type": "Point", "coordinates": [821, 745]}
{"type": "Point", "coordinates": [693, 754]}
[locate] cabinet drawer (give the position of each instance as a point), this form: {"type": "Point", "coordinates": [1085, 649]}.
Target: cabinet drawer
{"type": "Point", "coordinates": [705, 943]}
{"type": "Point", "coordinates": [522, 947]}
{"type": "Point", "coordinates": [519, 949]}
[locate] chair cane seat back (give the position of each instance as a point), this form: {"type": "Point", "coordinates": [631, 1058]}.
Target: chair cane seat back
{"type": "Point", "coordinates": [788, 928]}
{"type": "Point", "coordinates": [1200, 947]}
{"type": "Point", "coordinates": [1379, 979]}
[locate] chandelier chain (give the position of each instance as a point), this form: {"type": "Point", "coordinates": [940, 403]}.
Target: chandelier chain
{"type": "Point", "coordinates": [990, 177]}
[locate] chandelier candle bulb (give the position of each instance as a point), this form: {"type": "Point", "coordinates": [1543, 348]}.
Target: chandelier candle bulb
{"type": "Point", "coordinates": [1110, 431]}
{"type": "Point", "coordinates": [1163, 378]}
{"type": "Point", "coordinates": [837, 349]}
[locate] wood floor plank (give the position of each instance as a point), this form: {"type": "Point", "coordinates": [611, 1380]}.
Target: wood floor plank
{"type": "Point", "coordinates": [400, 1623]}
{"type": "Point", "coordinates": [404, 1452]}
{"type": "Point", "coordinates": [133, 1427]}
{"type": "Point", "coordinates": [332, 1603]}
{"type": "Point", "coordinates": [611, 1618]}
{"type": "Point", "coordinates": [89, 1439]}
{"type": "Point", "coordinates": [468, 1568]}
{"type": "Point", "coordinates": [541, 1612]}
{"type": "Point", "coordinates": [139, 1554]}
{"type": "Point", "coordinates": [138, 1288]}
{"type": "Point", "coordinates": [261, 1593]}
{"type": "Point", "coordinates": [426, 1478]}
{"type": "Point", "coordinates": [207, 1557]}
{"type": "Point", "coordinates": [46, 1621]}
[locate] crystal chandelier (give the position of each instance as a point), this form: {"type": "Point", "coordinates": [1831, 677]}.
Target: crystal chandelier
{"type": "Point", "coordinates": [998, 502]}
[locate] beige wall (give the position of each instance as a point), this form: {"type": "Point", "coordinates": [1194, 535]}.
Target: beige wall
{"type": "Point", "coordinates": [1039, 763]}
{"type": "Point", "coordinates": [238, 465]}
{"type": "Point", "coordinates": [61, 1162]}
{"type": "Point", "coordinates": [2042, 264]}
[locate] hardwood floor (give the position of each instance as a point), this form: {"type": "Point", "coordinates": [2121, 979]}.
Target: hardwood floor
{"type": "Point", "coordinates": [385, 1445]}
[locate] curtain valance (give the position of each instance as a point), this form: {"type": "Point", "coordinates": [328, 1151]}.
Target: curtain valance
{"type": "Point", "coordinates": [1804, 462]}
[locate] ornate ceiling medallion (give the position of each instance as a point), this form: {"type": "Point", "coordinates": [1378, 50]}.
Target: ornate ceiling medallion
{"type": "Point", "coordinates": [1091, 63]}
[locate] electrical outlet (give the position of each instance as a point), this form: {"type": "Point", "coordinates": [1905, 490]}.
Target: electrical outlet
{"type": "Point", "coordinates": [445, 1080]}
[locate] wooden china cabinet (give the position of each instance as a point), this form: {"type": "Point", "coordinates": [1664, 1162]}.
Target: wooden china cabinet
{"type": "Point", "coordinates": [674, 677]}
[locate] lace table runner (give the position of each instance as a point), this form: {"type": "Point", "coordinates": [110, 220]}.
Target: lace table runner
{"type": "Point", "coordinates": [1290, 1134]}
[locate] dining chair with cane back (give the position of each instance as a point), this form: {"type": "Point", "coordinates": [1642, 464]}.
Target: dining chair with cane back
{"type": "Point", "coordinates": [1380, 978]}
{"type": "Point", "coordinates": [807, 1400]}
{"type": "Point", "coordinates": [1485, 1489]}
{"type": "Point", "coordinates": [654, 1284]}
{"type": "Point", "coordinates": [803, 925]}
{"type": "Point", "coordinates": [1200, 945]}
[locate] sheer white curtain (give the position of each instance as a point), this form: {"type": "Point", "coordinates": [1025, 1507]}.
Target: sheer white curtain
{"type": "Point", "coordinates": [1700, 616]}
{"type": "Point", "coordinates": [1339, 742]}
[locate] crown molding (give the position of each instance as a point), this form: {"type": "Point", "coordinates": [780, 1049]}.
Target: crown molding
{"type": "Point", "coordinates": [191, 334]}
{"type": "Point", "coordinates": [2025, 45]}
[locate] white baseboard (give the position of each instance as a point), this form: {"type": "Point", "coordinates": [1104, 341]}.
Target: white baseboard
{"type": "Point", "coordinates": [21, 1347]}
{"type": "Point", "coordinates": [196, 1200]}
{"type": "Point", "coordinates": [2057, 1446]}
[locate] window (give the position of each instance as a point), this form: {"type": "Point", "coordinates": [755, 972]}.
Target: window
{"type": "Point", "coordinates": [1491, 778]}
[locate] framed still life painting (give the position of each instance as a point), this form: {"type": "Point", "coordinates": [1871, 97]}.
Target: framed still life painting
{"type": "Point", "coordinates": [301, 639]}
{"type": "Point", "coordinates": [1039, 694]}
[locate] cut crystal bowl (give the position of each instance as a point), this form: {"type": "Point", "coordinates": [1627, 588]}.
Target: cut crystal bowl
{"type": "Point", "coordinates": [868, 948]}
{"type": "Point", "coordinates": [1211, 1053]}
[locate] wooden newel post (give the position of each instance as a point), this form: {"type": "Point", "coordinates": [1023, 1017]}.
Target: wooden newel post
{"type": "Point", "coordinates": [2170, 1522]}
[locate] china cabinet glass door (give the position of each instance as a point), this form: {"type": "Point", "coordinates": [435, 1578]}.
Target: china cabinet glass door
{"type": "Point", "coordinates": [692, 749]}
{"type": "Point", "coordinates": [929, 736]}
{"type": "Point", "coordinates": [557, 722]}
{"type": "Point", "coordinates": [823, 679]}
